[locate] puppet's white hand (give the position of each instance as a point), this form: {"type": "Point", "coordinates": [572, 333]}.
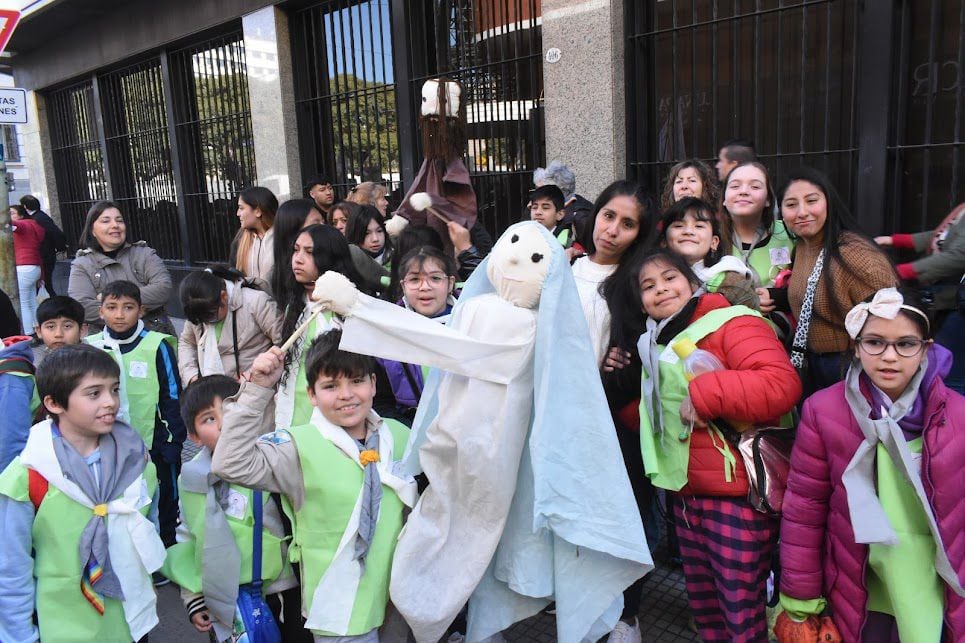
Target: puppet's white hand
{"type": "Point", "coordinates": [333, 291]}
{"type": "Point", "coordinates": [395, 225]}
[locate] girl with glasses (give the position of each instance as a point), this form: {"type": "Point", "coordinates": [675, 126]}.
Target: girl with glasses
{"type": "Point", "coordinates": [427, 277]}
{"type": "Point", "coordinates": [873, 513]}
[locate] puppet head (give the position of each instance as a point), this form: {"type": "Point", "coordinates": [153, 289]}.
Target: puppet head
{"type": "Point", "coordinates": [519, 263]}
{"type": "Point", "coordinates": [443, 119]}
{"type": "Point", "coordinates": [441, 96]}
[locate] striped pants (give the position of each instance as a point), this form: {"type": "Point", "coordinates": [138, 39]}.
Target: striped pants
{"type": "Point", "coordinates": [726, 548]}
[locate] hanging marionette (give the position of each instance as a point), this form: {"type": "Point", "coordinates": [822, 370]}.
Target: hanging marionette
{"type": "Point", "coordinates": [441, 191]}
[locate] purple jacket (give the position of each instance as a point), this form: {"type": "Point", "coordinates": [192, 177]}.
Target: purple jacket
{"type": "Point", "coordinates": [819, 556]}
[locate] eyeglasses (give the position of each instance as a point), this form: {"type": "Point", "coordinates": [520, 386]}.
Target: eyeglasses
{"type": "Point", "coordinates": [414, 281]}
{"type": "Point", "coordinates": [904, 347]}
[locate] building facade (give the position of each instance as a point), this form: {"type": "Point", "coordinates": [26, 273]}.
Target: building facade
{"type": "Point", "coordinates": [172, 108]}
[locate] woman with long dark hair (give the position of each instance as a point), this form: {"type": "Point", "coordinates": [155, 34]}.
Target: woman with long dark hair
{"type": "Point", "coordinates": [292, 216]}
{"type": "Point", "coordinates": [623, 223]}
{"type": "Point", "coordinates": [316, 250]}
{"type": "Point", "coordinates": [845, 265]}
{"type": "Point", "coordinates": [105, 256]}
{"type": "Point", "coordinates": [623, 219]}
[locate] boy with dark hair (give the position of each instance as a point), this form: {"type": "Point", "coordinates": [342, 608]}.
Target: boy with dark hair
{"type": "Point", "coordinates": [320, 190]}
{"type": "Point", "coordinates": [546, 208]}
{"type": "Point", "coordinates": [60, 321]}
{"type": "Point", "coordinates": [216, 533]}
{"type": "Point", "coordinates": [149, 389]}
{"type": "Point", "coordinates": [338, 479]}
{"type": "Point", "coordinates": [77, 547]}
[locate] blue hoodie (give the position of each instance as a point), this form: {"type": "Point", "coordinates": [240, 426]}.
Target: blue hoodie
{"type": "Point", "coordinates": [17, 393]}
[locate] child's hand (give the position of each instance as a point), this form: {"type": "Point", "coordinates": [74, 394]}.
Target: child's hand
{"type": "Point", "coordinates": [617, 358]}
{"type": "Point", "coordinates": [201, 620]}
{"type": "Point", "coordinates": [688, 414]}
{"type": "Point", "coordinates": [767, 302]}
{"type": "Point", "coordinates": [267, 368]}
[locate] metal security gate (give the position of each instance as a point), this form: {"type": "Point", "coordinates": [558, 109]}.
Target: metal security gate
{"type": "Point", "coordinates": [359, 69]}
{"type": "Point", "coordinates": [168, 138]}
{"type": "Point", "coordinates": [215, 144]}
{"type": "Point", "coordinates": [778, 72]}
{"type": "Point", "coordinates": [870, 93]}
{"type": "Point", "coordinates": [77, 155]}
{"type": "Point", "coordinates": [345, 93]}
{"type": "Point", "coordinates": [139, 154]}
{"type": "Point", "coordinates": [925, 139]}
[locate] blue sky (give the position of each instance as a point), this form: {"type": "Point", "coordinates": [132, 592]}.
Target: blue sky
{"type": "Point", "coordinates": [365, 29]}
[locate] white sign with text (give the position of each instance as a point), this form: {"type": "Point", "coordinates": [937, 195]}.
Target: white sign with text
{"type": "Point", "coordinates": [13, 105]}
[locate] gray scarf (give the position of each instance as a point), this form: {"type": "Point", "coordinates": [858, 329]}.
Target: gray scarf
{"type": "Point", "coordinates": [220, 559]}
{"type": "Point", "coordinates": [371, 501]}
{"type": "Point", "coordinates": [122, 462]}
{"type": "Point", "coordinates": [868, 517]}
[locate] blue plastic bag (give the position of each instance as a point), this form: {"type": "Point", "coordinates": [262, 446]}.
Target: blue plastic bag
{"type": "Point", "coordinates": [254, 621]}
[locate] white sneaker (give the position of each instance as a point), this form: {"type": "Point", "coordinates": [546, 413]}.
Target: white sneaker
{"type": "Point", "coordinates": [626, 633]}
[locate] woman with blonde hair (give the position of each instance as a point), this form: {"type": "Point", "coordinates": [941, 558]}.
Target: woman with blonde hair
{"type": "Point", "coordinates": [370, 193]}
{"type": "Point", "coordinates": [252, 248]}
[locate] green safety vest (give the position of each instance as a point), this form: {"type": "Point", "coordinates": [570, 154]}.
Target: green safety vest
{"type": "Point", "coordinates": [332, 485]}
{"type": "Point", "coordinates": [141, 381]}
{"type": "Point", "coordinates": [665, 456]}
{"type": "Point", "coordinates": [302, 412]}
{"type": "Point", "coordinates": [564, 237]}
{"type": "Point", "coordinates": [183, 562]}
{"type": "Point", "coordinates": [63, 614]}
{"type": "Point", "coordinates": [767, 261]}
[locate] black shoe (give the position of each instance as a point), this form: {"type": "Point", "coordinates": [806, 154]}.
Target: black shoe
{"type": "Point", "coordinates": [160, 580]}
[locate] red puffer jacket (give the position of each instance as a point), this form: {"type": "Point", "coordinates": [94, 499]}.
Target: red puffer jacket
{"type": "Point", "coordinates": [758, 386]}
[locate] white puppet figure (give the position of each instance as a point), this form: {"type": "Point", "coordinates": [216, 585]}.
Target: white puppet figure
{"type": "Point", "coordinates": [528, 498]}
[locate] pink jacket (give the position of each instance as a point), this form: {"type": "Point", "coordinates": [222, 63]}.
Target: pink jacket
{"type": "Point", "coordinates": [819, 556]}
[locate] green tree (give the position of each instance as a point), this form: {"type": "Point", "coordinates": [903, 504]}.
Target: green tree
{"type": "Point", "coordinates": [365, 125]}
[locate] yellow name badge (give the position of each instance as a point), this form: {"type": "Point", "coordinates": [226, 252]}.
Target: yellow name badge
{"type": "Point", "coordinates": [138, 370]}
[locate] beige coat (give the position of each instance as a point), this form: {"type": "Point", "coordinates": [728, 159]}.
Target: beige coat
{"type": "Point", "coordinates": [91, 271]}
{"type": "Point", "coordinates": [259, 328]}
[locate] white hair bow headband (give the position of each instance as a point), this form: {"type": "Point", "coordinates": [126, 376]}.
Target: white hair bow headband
{"type": "Point", "coordinates": [886, 303]}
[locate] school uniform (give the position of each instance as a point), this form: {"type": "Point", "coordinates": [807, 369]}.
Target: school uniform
{"type": "Point", "coordinates": [88, 579]}
{"type": "Point", "coordinates": [346, 509]}
{"type": "Point", "coordinates": [150, 403]}
{"type": "Point", "coordinates": [213, 555]}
